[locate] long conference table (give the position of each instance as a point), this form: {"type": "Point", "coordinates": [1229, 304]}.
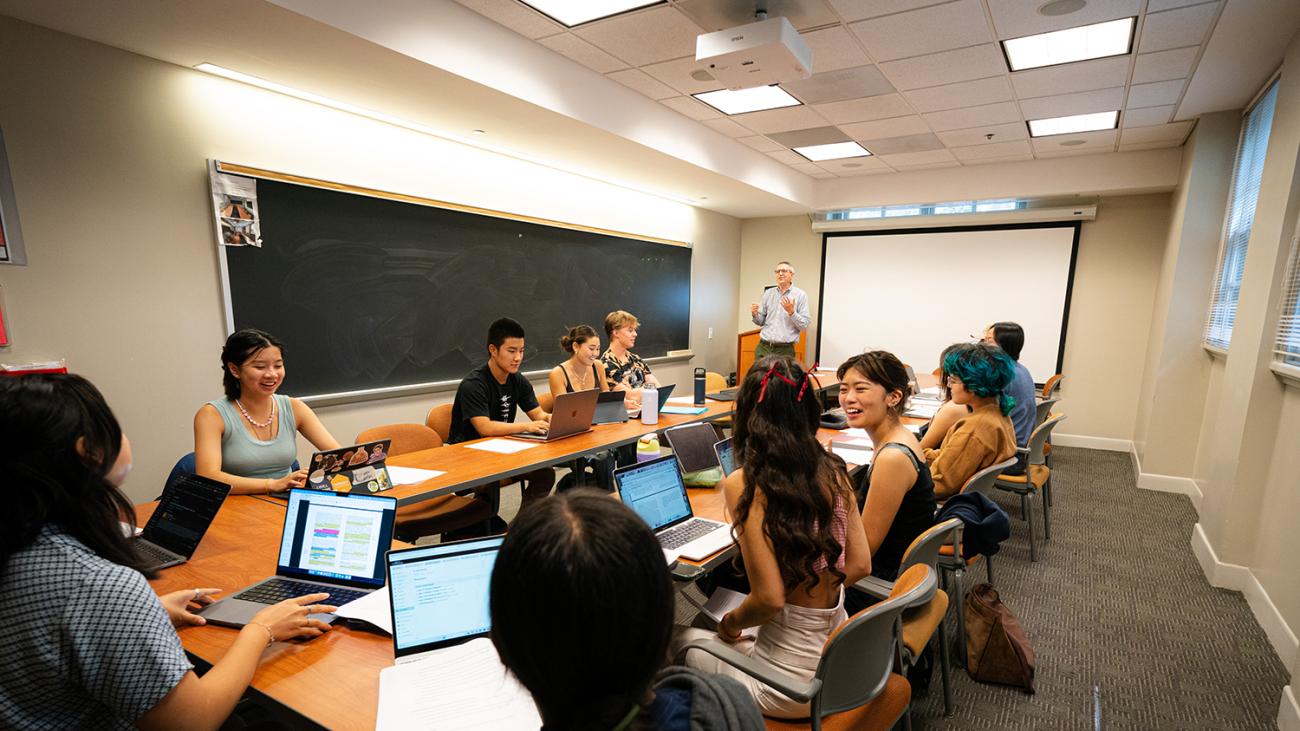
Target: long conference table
{"type": "Point", "coordinates": [333, 681]}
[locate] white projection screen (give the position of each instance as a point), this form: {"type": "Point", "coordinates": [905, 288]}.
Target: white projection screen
{"type": "Point", "coordinates": [915, 292]}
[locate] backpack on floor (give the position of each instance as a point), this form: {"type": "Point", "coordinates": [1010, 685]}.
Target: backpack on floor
{"type": "Point", "coordinates": [997, 648]}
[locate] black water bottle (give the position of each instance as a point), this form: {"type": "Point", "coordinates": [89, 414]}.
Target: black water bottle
{"type": "Point", "coordinates": [699, 386]}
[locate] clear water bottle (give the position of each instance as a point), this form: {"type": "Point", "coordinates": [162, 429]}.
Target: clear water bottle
{"type": "Point", "coordinates": [649, 405]}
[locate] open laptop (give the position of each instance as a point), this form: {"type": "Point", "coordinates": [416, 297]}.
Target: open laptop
{"type": "Point", "coordinates": [726, 456]}
{"type": "Point", "coordinates": [332, 542]}
{"type": "Point", "coordinates": [355, 468]}
{"type": "Point", "coordinates": [655, 491]}
{"type": "Point", "coordinates": [438, 595]}
{"type": "Point", "coordinates": [571, 415]}
{"type": "Point", "coordinates": [610, 408]}
{"type": "Point", "coordinates": [185, 510]}
{"type": "Point", "coordinates": [692, 445]}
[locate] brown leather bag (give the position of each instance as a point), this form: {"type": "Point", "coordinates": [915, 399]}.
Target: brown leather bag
{"type": "Point", "coordinates": [997, 648]}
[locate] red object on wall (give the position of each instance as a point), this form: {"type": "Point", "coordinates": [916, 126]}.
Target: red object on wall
{"type": "Point", "coordinates": [4, 335]}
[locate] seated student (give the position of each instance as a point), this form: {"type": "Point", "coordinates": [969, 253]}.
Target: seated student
{"type": "Point", "coordinates": [584, 369]}
{"type": "Point", "coordinates": [87, 643]}
{"type": "Point", "coordinates": [800, 535]}
{"type": "Point", "coordinates": [932, 434]}
{"type": "Point", "coordinates": [1011, 338]}
{"type": "Point", "coordinates": [248, 439]}
{"type": "Point", "coordinates": [978, 375]}
{"type": "Point", "coordinates": [582, 613]}
{"type": "Point", "coordinates": [490, 396]}
{"type": "Point", "coordinates": [624, 371]}
{"type": "Point", "coordinates": [895, 492]}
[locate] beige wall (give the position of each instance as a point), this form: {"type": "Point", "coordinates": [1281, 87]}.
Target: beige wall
{"type": "Point", "coordinates": [1115, 277]}
{"type": "Point", "coordinates": [107, 151]}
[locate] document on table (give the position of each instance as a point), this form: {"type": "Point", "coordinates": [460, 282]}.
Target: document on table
{"type": "Point", "coordinates": [914, 428]}
{"type": "Point", "coordinates": [934, 391]}
{"type": "Point", "coordinates": [855, 432]}
{"type": "Point", "coordinates": [503, 446]}
{"type": "Point", "coordinates": [371, 608]}
{"type": "Point", "coordinates": [923, 410]}
{"type": "Point", "coordinates": [411, 475]}
{"type": "Point", "coordinates": [681, 399]}
{"type": "Point", "coordinates": [461, 688]}
{"type": "Point", "coordinates": [854, 451]}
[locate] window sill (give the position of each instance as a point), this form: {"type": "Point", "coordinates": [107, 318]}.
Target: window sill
{"type": "Point", "coordinates": [1288, 374]}
{"type": "Point", "coordinates": [1215, 352]}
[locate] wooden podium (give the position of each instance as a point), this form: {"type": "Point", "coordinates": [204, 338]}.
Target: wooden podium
{"type": "Point", "coordinates": [748, 340]}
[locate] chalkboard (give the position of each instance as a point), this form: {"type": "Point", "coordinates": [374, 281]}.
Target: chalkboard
{"type": "Point", "coordinates": [368, 293]}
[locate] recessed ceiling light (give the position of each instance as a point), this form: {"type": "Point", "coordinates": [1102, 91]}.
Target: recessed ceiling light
{"type": "Point", "coordinates": [741, 101]}
{"type": "Point", "coordinates": [1061, 7]}
{"type": "Point", "coordinates": [833, 151]}
{"type": "Point", "coordinates": [1073, 143]}
{"type": "Point", "coordinates": [1099, 40]}
{"type": "Point", "coordinates": [1073, 123]}
{"type": "Point", "coordinates": [577, 12]}
{"type": "Point", "coordinates": [701, 75]}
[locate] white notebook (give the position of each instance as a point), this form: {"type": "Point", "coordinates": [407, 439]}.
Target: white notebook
{"type": "Point", "coordinates": [461, 688]}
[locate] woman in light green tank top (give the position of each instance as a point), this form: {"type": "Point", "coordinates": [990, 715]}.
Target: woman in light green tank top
{"type": "Point", "coordinates": [248, 438]}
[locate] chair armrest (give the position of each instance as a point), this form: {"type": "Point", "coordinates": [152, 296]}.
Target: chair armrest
{"type": "Point", "coordinates": [872, 586]}
{"type": "Point", "coordinates": [800, 690]}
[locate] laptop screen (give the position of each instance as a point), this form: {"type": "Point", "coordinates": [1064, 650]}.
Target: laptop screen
{"type": "Point", "coordinates": [654, 490]}
{"type": "Point", "coordinates": [337, 536]}
{"type": "Point", "coordinates": [184, 513]}
{"type": "Point", "coordinates": [726, 457]}
{"type": "Point", "coordinates": [439, 594]}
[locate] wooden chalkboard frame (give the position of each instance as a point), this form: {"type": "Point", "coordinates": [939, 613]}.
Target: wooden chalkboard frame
{"type": "Point", "coordinates": [414, 388]}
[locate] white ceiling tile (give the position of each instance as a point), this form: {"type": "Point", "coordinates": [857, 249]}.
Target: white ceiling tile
{"type": "Point", "coordinates": [851, 10]}
{"type": "Point", "coordinates": [516, 16]}
{"type": "Point", "coordinates": [948, 67]}
{"type": "Point", "coordinates": [833, 48]}
{"type": "Point", "coordinates": [964, 94]}
{"type": "Point", "coordinates": [728, 127]}
{"type": "Point", "coordinates": [905, 144]}
{"type": "Point", "coordinates": [677, 74]}
{"type": "Point", "coordinates": [854, 166]}
{"type": "Point", "coordinates": [1085, 102]}
{"type": "Point", "coordinates": [918, 32]}
{"type": "Point", "coordinates": [838, 85]}
{"type": "Point", "coordinates": [808, 168]}
{"type": "Point", "coordinates": [823, 175]}
{"type": "Point", "coordinates": [1015, 18]}
{"type": "Point", "coordinates": [644, 83]}
{"type": "Point", "coordinates": [1068, 78]}
{"type": "Point", "coordinates": [896, 127]}
{"type": "Point", "coordinates": [714, 15]}
{"type": "Point", "coordinates": [1074, 144]}
{"type": "Point", "coordinates": [1176, 131]}
{"type": "Point", "coordinates": [760, 143]}
{"type": "Point", "coordinates": [647, 37]}
{"type": "Point", "coordinates": [979, 135]}
{"type": "Point", "coordinates": [1155, 94]}
{"type": "Point", "coordinates": [1155, 6]}
{"type": "Point", "coordinates": [1164, 65]}
{"type": "Point", "coordinates": [1146, 116]}
{"type": "Point", "coordinates": [919, 159]}
{"type": "Point", "coordinates": [787, 157]}
{"type": "Point", "coordinates": [865, 109]}
{"type": "Point", "coordinates": [997, 160]}
{"type": "Point", "coordinates": [999, 149]}
{"type": "Point", "coordinates": [691, 108]}
{"type": "Point", "coordinates": [1148, 145]}
{"type": "Point", "coordinates": [1001, 113]}
{"type": "Point", "coordinates": [583, 52]}
{"type": "Point", "coordinates": [781, 120]}
{"type": "Point", "coordinates": [1177, 28]}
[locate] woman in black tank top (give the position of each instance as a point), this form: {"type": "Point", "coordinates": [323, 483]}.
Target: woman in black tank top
{"type": "Point", "coordinates": [896, 493]}
{"type": "Point", "coordinates": [583, 370]}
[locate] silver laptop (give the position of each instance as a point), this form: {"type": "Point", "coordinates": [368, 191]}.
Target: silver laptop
{"type": "Point", "coordinates": [726, 456]}
{"type": "Point", "coordinates": [332, 542]}
{"type": "Point", "coordinates": [186, 509]}
{"type": "Point", "coordinates": [438, 595]}
{"type": "Point", "coordinates": [571, 415]}
{"type": "Point", "coordinates": [655, 491]}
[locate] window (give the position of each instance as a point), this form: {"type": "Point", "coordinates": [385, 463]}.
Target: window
{"type": "Point", "coordinates": [1239, 219]}
{"type": "Point", "coordinates": [1287, 346]}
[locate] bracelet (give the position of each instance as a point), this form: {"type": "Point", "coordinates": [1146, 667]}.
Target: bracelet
{"type": "Point", "coordinates": [270, 636]}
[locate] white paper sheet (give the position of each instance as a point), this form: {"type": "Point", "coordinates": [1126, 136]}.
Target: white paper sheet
{"type": "Point", "coordinates": [922, 409]}
{"type": "Point", "coordinates": [461, 688]}
{"type": "Point", "coordinates": [914, 428]}
{"type": "Point", "coordinates": [852, 455]}
{"type": "Point", "coordinates": [411, 475]}
{"type": "Point", "coordinates": [372, 608]}
{"type": "Point", "coordinates": [503, 446]}
{"type": "Point", "coordinates": [855, 432]}
{"type": "Point", "coordinates": [932, 391]}
{"type": "Point", "coordinates": [723, 601]}
{"type": "Point", "coordinates": [681, 399]}
{"type": "Point", "coordinates": [866, 443]}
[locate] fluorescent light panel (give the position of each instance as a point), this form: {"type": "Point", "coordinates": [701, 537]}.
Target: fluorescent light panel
{"type": "Point", "coordinates": [577, 12]}
{"type": "Point", "coordinates": [741, 101]}
{"type": "Point", "coordinates": [1073, 123]}
{"type": "Point", "coordinates": [1099, 40]}
{"type": "Point", "coordinates": [833, 151]}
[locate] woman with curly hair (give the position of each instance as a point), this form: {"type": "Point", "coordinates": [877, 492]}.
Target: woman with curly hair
{"type": "Point", "coordinates": [800, 534]}
{"type": "Point", "coordinates": [978, 374]}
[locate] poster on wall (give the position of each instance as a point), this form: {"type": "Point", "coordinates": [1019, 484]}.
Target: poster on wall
{"type": "Point", "coordinates": [234, 198]}
{"type": "Point", "coordinates": [11, 238]}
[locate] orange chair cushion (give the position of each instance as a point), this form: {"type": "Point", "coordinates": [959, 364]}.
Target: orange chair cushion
{"type": "Point", "coordinates": [1037, 472]}
{"type": "Point", "coordinates": [919, 623]}
{"type": "Point", "coordinates": [1047, 449]}
{"type": "Point", "coordinates": [878, 715]}
{"type": "Point", "coordinates": [441, 514]}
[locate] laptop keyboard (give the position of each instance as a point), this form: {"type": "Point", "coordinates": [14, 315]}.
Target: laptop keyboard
{"type": "Point", "coordinates": [153, 553]}
{"type": "Point", "coordinates": [679, 536]}
{"type": "Point", "coordinates": [275, 591]}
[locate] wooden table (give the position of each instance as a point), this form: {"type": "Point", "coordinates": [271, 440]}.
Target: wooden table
{"type": "Point", "coordinates": [332, 680]}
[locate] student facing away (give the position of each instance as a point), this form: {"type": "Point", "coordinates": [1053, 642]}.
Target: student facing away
{"type": "Point", "coordinates": [1011, 338]}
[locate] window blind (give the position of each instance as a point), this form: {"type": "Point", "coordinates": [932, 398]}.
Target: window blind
{"type": "Point", "coordinates": [1287, 346]}
{"type": "Point", "coordinates": [1246, 173]}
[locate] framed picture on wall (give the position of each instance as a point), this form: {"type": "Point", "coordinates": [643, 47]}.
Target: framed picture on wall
{"type": "Point", "coordinates": [11, 236]}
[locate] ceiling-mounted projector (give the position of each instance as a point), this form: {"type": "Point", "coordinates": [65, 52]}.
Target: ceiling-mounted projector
{"type": "Point", "coordinates": [767, 52]}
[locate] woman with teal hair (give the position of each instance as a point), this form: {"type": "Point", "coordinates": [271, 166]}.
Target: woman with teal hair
{"type": "Point", "coordinates": [978, 374]}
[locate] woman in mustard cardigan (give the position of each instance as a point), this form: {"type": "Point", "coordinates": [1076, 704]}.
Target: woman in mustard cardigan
{"type": "Point", "coordinates": [977, 376]}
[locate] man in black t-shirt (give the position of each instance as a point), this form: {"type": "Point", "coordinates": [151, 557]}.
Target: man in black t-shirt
{"type": "Point", "coordinates": [489, 397]}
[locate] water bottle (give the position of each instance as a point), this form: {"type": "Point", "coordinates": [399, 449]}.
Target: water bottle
{"type": "Point", "coordinates": [649, 405]}
{"type": "Point", "coordinates": [699, 386]}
